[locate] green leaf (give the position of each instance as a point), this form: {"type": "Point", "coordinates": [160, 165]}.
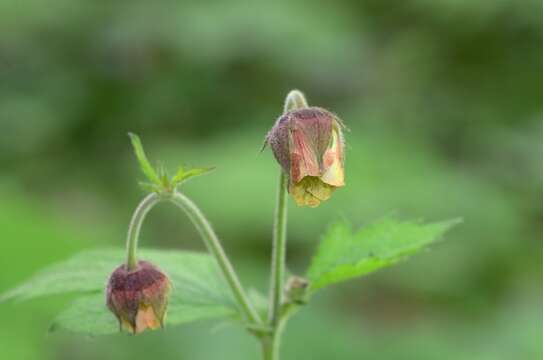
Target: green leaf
{"type": "Point", "coordinates": [145, 166]}
{"type": "Point", "coordinates": [344, 254]}
{"type": "Point", "coordinates": [87, 315]}
{"type": "Point", "coordinates": [183, 174]}
{"type": "Point", "coordinates": [199, 290]}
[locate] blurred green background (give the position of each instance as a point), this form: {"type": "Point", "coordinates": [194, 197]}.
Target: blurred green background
{"type": "Point", "coordinates": [444, 103]}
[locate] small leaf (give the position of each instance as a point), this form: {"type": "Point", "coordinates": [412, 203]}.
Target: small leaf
{"type": "Point", "coordinates": [344, 254]}
{"type": "Point", "coordinates": [183, 174]}
{"type": "Point", "coordinates": [145, 166]}
{"type": "Point", "coordinates": [198, 288]}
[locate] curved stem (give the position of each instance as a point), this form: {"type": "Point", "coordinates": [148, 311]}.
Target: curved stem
{"type": "Point", "coordinates": [279, 251]}
{"type": "Point", "coordinates": [214, 246]}
{"type": "Point", "coordinates": [270, 344]}
{"type": "Point", "coordinates": [135, 226]}
{"type": "Point", "coordinates": [295, 100]}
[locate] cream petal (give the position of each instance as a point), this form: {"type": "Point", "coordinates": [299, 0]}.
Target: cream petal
{"type": "Point", "coordinates": [333, 163]}
{"type": "Point", "coordinates": [311, 191]}
{"type": "Point", "coordinates": [146, 319]}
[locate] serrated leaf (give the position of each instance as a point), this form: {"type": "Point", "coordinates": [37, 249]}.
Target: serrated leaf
{"type": "Point", "coordinates": [145, 166]}
{"type": "Point", "coordinates": [183, 174]}
{"type": "Point", "coordinates": [199, 290]}
{"type": "Point", "coordinates": [344, 254]}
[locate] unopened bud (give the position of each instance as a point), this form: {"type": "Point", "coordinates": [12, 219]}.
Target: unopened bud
{"type": "Point", "coordinates": [296, 290]}
{"type": "Point", "coordinates": [138, 297]}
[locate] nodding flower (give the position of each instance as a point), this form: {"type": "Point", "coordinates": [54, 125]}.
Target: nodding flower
{"type": "Point", "coordinates": [138, 297]}
{"type": "Point", "coordinates": [308, 144]}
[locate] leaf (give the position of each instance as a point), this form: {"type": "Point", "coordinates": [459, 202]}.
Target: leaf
{"type": "Point", "coordinates": [145, 166]}
{"type": "Point", "coordinates": [88, 315]}
{"type": "Point", "coordinates": [159, 179]}
{"type": "Point", "coordinates": [199, 290]}
{"type": "Point", "coordinates": [183, 174]}
{"type": "Point", "coordinates": [344, 254]}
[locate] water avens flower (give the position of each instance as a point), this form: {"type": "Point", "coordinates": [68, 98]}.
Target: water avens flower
{"type": "Point", "coordinates": [138, 297]}
{"type": "Point", "coordinates": [308, 144]}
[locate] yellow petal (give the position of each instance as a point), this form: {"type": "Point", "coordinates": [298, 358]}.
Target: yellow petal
{"type": "Point", "coordinates": [126, 325]}
{"type": "Point", "coordinates": [333, 162]}
{"type": "Point", "coordinates": [310, 191]}
{"type": "Point", "coordinates": [146, 319]}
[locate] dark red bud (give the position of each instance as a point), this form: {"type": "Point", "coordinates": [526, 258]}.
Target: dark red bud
{"type": "Point", "coordinates": [138, 297]}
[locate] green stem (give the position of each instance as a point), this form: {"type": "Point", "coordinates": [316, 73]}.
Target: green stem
{"type": "Point", "coordinates": [270, 346]}
{"type": "Point", "coordinates": [135, 226]}
{"type": "Point", "coordinates": [279, 251]}
{"type": "Point", "coordinates": [270, 343]}
{"type": "Point", "coordinates": [269, 349]}
{"type": "Point", "coordinates": [295, 100]}
{"type": "Point", "coordinates": [214, 246]}
{"type": "Point", "coordinates": [208, 235]}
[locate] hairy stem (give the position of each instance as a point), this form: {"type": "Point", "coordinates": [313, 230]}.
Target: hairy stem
{"type": "Point", "coordinates": [214, 246]}
{"type": "Point", "coordinates": [270, 343]}
{"type": "Point", "coordinates": [208, 235]}
{"type": "Point", "coordinates": [269, 348]}
{"type": "Point", "coordinates": [279, 251]}
{"type": "Point", "coordinates": [135, 226]}
{"type": "Point", "coordinates": [295, 100]}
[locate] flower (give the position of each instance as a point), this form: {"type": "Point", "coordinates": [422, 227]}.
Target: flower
{"type": "Point", "coordinates": [138, 297]}
{"type": "Point", "coordinates": [308, 144]}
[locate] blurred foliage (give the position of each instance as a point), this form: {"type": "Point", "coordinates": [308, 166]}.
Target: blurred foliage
{"type": "Point", "coordinates": [445, 112]}
{"type": "Point", "coordinates": [200, 290]}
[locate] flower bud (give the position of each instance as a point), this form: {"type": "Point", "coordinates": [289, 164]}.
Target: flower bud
{"type": "Point", "coordinates": [138, 297]}
{"type": "Point", "coordinates": [308, 144]}
{"type": "Point", "coordinates": [296, 290]}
